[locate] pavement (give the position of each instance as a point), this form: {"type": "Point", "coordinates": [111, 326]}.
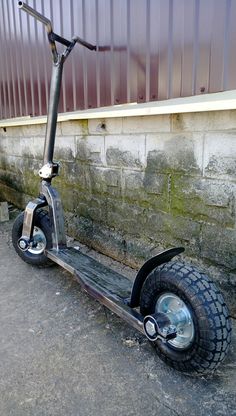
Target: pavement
{"type": "Point", "coordinates": [63, 354]}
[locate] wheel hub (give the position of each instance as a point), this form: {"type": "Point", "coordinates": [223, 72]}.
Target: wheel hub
{"type": "Point", "coordinates": [39, 242]}
{"type": "Point", "coordinates": [36, 245]}
{"type": "Point", "coordinates": [180, 316]}
{"type": "Point", "coordinates": [157, 326]}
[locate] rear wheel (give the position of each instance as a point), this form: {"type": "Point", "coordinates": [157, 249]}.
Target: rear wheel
{"type": "Point", "coordinates": [197, 309]}
{"type": "Point", "coordinates": [42, 236]}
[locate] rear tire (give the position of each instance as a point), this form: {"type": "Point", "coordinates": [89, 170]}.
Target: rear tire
{"type": "Point", "coordinates": [42, 234]}
{"type": "Point", "coordinates": [204, 346]}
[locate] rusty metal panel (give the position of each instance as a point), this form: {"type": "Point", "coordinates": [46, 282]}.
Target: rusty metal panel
{"type": "Point", "coordinates": [156, 49]}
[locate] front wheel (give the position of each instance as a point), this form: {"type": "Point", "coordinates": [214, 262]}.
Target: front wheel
{"type": "Point", "coordinates": [197, 309]}
{"type": "Point", "coordinates": [42, 236]}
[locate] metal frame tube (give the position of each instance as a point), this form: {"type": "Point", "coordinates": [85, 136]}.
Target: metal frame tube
{"type": "Point", "coordinates": [52, 111]}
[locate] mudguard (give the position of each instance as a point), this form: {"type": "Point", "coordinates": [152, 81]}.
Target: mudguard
{"type": "Point", "coordinates": [146, 269]}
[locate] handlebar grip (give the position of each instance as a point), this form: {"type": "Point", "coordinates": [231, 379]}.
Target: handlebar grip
{"type": "Point", "coordinates": [84, 43]}
{"type": "Point", "coordinates": [36, 15]}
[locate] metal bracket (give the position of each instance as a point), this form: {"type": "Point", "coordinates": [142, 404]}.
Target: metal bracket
{"type": "Point", "coordinates": [49, 171]}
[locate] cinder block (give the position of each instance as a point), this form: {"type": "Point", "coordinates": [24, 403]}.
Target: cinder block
{"type": "Point", "coordinates": [4, 214]}
{"type": "Point", "coordinates": [10, 146]}
{"type": "Point", "coordinates": [204, 121]}
{"type": "Point", "coordinates": [169, 231]}
{"type": "Point", "coordinates": [146, 189]}
{"type": "Point", "coordinates": [73, 127]}
{"type": "Point", "coordinates": [30, 147]}
{"type": "Point", "coordinates": [155, 184]}
{"type": "Point", "coordinates": [220, 155]}
{"type": "Point", "coordinates": [148, 182]}
{"type": "Point", "coordinates": [105, 180]}
{"type": "Point", "coordinates": [105, 126]}
{"type": "Point", "coordinates": [204, 200]}
{"type": "Point", "coordinates": [124, 216]}
{"type": "Point", "coordinates": [29, 130]}
{"type": "Point", "coordinates": [219, 246]}
{"type": "Point", "coordinates": [91, 149]}
{"type": "Point", "coordinates": [147, 124]}
{"type": "Point", "coordinates": [11, 131]}
{"type": "Point", "coordinates": [179, 227]}
{"type": "Point", "coordinates": [65, 148]}
{"type": "Point", "coordinates": [175, 152]}
{"type": "Point", "coordinates": [33, 130]}
{"type": "Point", "coordinates": [133, 181]}
{"type": "Point", "coordinates": [126, 151]}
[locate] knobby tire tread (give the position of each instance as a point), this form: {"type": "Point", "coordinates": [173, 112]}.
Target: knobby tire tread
{"type": "Point", "coordinates": [213, 326]}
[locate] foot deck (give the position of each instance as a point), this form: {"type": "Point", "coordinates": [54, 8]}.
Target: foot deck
{"type": "Point", "coordinates": [107, 286]}
{"type": "Point", "coordinates": [92, 271]}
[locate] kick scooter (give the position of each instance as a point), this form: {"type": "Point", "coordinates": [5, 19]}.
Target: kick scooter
{"type": "Point", "coordinates": [175, 305]}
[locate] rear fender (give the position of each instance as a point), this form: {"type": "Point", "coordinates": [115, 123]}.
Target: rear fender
{"type": "Point", "coordinates": [146, 269]}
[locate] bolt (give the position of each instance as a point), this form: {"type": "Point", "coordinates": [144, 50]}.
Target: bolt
{"type": "Point", "coordinates": [150, 328]}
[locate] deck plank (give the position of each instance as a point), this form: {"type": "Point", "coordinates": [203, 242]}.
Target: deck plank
{"type": "Point", "coordinates": [93, 271]}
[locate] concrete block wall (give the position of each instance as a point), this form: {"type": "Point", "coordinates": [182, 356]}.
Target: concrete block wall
{"type": "Point", "coordinates": [134, 186]}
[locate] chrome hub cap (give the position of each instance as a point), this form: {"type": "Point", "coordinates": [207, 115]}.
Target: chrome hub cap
{"type": "Point", "coordinates": [180, 316]}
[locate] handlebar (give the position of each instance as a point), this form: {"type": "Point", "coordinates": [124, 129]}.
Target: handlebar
{"type": "Point", "coordinates": [36, 15]}
{"type": "Point", "coordinates": [53, 36]}
{"type": "Point", "coordinates": [86, 44]}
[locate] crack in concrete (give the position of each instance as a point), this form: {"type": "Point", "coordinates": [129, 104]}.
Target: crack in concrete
{"type": "Point", "coordinates": [167, 406]}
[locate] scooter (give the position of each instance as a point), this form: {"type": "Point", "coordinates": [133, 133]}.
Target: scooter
{"type": "Point", "coordinates": [175, 305]}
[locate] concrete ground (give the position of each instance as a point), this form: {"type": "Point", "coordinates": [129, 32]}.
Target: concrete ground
{"type": "Point", "coordinates": [62, 353]}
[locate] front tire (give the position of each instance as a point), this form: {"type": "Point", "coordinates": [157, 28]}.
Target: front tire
{"type": "Point", "coordinates": [195, 306]}
{"type": "Point", "coordinates": [42, 235]}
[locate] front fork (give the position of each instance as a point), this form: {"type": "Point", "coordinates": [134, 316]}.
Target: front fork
{"type": "Point", "coordinates": [48, 197]}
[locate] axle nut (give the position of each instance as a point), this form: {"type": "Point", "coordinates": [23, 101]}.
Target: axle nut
{"type": "Point", "coordinates": [23, 244]}
{"type": "Point", "coordinates": [150, 328]}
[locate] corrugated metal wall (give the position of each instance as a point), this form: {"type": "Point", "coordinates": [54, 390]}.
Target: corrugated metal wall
{"type": "Point", "coordinates": [157, 49]}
